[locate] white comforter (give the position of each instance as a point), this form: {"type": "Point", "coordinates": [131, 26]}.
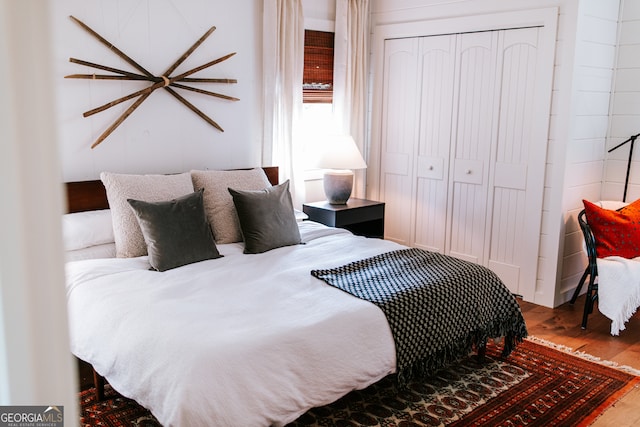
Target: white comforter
{"type": "Point", "coordinates": [244, 340]}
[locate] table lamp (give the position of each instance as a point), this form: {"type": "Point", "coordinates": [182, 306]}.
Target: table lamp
{"type": "Point", "coordinates": [340, 156]}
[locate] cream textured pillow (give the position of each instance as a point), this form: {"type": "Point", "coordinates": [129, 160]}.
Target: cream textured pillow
{"type": "Point", "coordinates": [218, 203]}
{"type": "Point", "coordinates": [148, 188]}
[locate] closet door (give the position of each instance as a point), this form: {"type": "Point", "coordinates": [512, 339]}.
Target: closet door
{"type": "Point", "coordinates": [517, 176]}
{"type": "Point", "coordinates": [474, 124]}
{"type": "Point", "coordinates": [399, 135]}
{"type": "Point", "coordinates": [437, 62]}
{"type": "Point", "coordinates": [462, 170]}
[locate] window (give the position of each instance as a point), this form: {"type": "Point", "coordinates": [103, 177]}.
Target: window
{"type": "Point", "coordinates": [317, 83]}
{"type": "Point", "coordinates": [317, 94]}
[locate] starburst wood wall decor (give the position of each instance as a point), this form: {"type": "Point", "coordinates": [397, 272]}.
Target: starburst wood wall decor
{"type": "Point", "coordinates": [164, 81]}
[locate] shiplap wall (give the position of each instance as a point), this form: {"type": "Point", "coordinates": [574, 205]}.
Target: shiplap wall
{"type": "Point", "coordinates": [625, 111]}
{"type": "Point", "coordinates": [596, 40]}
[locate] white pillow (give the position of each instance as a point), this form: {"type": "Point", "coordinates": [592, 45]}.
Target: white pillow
{"type": "Point", "coordinates": [85, 229]}
{"type": "Point", "coordinates": [108, 250]}
{"type": "Point", "coordinates": [218, 203]}
{"type": "Point", "coordinates": [611, 204]}
{"type": "Point", "coordinates": [300, 216]}
{"type": "Point", "coordinates": [148, 188]}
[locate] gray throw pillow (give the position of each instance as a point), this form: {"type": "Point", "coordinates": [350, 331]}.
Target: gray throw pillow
{"type": "Point", "coordinates": [267, 219]}
{"type": "Point", "coordinates": [176, 232]}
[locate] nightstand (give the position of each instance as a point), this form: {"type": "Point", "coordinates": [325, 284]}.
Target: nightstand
{"type": "Point", "coordinates": [360, 216]}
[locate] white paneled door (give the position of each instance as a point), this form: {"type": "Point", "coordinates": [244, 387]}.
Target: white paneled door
{"type": "Point", "coordinates": [400, 133]}
{"type": "Point", "coordinates": [460, 169]}
{"type": "Point", "coordinates": [473, 124]}
{"type": "Point", "coordinates": [437, 62]}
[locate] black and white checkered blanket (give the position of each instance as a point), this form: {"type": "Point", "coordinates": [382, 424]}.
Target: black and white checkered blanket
{"type": "Point", "coordinates": [438, 307]}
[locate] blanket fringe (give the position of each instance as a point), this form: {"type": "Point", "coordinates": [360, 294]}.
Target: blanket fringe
{"type": "Point", "coordinates": [514, 332]}
{"type": "Point", "coordinates": [628, 309]}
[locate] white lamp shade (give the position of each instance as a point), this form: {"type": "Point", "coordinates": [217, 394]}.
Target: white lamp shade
{"type": "Point", "coordinates": [339, 152]}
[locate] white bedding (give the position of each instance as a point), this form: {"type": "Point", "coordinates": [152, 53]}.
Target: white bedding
{"type": "Point", "coordinates": [243, 340]}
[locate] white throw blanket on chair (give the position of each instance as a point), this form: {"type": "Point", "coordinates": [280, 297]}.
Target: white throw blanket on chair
{"type": "Point", "coordinates": [618, 289]}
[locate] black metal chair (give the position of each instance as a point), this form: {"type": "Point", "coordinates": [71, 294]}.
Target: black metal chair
{"type": "Point", "coordinates": [591, 270]}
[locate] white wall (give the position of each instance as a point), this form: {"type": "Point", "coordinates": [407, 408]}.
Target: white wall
{"type": "Point", "coordinates": [319, 15]}
{"type": "Point", "coordinates": [596, 41]}
{"type": "Point", "coordinates": [625, 111]}
{"type": "Point", "coordinates": [162, 135]}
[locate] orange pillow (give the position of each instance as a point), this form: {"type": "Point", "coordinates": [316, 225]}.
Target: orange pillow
{"type": "Point", "coordinates": [616, 232]}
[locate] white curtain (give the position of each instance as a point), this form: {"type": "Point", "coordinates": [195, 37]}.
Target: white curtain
{"type": "Point", "coordinates": [351, 69]}
{"type": "Point", "coordinates": [283, 63]}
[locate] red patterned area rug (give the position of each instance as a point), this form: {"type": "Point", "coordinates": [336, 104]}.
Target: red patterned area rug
{"type": "Point", "coordinates": [113, 411]}
{"type": "Point", "coordinates": [535, 386]}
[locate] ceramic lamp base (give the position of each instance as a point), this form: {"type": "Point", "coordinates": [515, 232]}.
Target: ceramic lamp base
{"type": "Point", "coordinates": [337, 186]}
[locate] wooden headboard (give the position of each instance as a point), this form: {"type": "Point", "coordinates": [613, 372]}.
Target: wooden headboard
{"type": "Point", "coordinates": [91, 195]}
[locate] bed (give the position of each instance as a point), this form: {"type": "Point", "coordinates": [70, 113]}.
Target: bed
{"type": "Point", "coordinates": [252, 339]}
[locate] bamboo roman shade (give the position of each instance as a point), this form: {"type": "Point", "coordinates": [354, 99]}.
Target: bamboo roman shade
{"type": "Point", "coordinates": [317, 84]}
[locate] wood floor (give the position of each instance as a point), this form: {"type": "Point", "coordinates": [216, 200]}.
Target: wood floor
{"type": "Point", "coordinates": [562, 326]}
